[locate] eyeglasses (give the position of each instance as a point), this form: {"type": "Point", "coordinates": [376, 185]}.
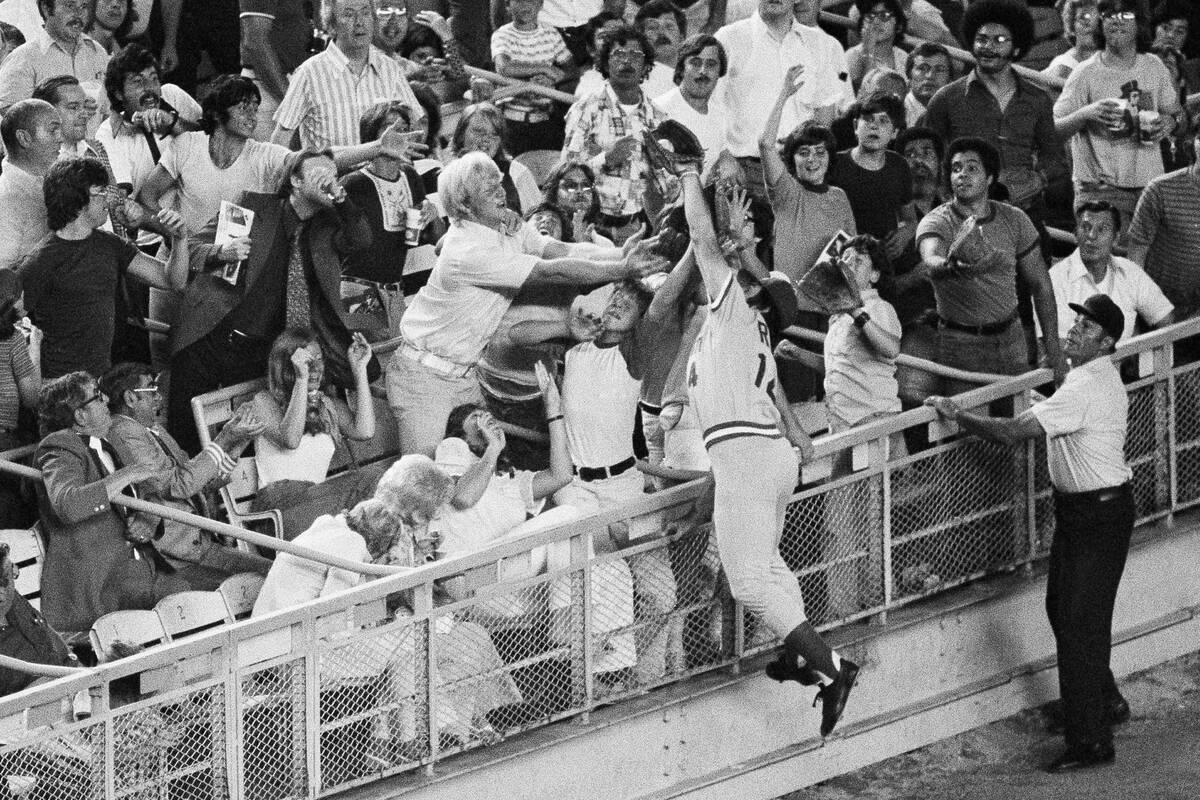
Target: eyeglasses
{"type": "Point", "coordinates": [1000, 38]}
{"type": "Point", "coordinates": [99, 395]}
{"type": "Point", "coordinates": [880, 16]}
{"type": "Point", "coordinates": [572, 186]}
{"type": "Point", "coordinates": [1119, 16]}
{"type": "Point", "coordinates": [98, 191]}
{"type": "Point", "coordinates": [388, 13]}
{"type": "Point", "coordinates": [628, 56]}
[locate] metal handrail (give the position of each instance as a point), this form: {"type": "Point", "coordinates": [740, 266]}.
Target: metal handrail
{"type": "Point", "coordinates": [225, 529]}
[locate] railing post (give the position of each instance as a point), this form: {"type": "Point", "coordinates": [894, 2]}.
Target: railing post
{"type": "Point", "coordinates": [1024, 504]}
{"type": "Point", "coordinates": [581, 581]}
{"type": "Point", "coordinates": [1166, 470]}
{"type": "Point", "coordinates": [885, 528]}
{"type": "Point", "coordinates": [423, 604]}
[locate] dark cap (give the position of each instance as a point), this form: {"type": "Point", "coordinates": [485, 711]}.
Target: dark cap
{"type": "Point", "coordinates": [1100, 309]}
{"type": "Point", "coordinates": [782, 295]}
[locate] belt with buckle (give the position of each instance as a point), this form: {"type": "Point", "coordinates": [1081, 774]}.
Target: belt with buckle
{"type": "Point", "coordinates": [600, 473]}
{"type": "Point", "coordinates": [649, 408]}
{"type": "Point", "coordinates": [990, 329]}
{"type": "Point", "coordinates": [435, 363]}
{"type": "Point", "coordinates": [383, 287]}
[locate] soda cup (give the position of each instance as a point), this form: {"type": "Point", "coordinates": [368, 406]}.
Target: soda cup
{"type": "Point", "coordinates": [1147, 120]}
{"type": "Point", "coordinates": [412, 226]}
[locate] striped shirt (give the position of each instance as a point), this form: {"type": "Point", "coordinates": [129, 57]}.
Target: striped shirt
{"type": "Point", "coordinates": [731, 371]}
{"type": "Point", "coordinates": [541, 45]}
{"type": "Point", "coordinates": [1167, 223]}
{"type": "Point", "coordinates": [14, 358]}
{"type": "Point", "coordinates": [325, 98]}
{"type": "Point", "coordinates": [594, 123]}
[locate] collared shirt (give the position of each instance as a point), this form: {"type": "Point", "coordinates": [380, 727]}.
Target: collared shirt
{"type": "Point", "coordinates": [1023, 131]}
{"type": "Point", "coordinates": [41, 57]}
{"type": "Point", "coordinates": [128, 151]}
{"type": "Point", "coordinates": [325, 99]}
{"type": "Point", "coordinates": [708, 127]}
{"type": "Point", "coordinates": [757, 63]}
{"type": "Point", "coordinates": [568, 13]}
{"type": "Point", "coordinates": [476, 277]}
{"type": "Point", "coordinates": [981, 298]}
{"type": "Point", "coordinates": [1085, 422]}
{"type": "Point", "coordinates": [23, 223]}
{"type": "Point", "coordinates": [859, 382]}
{"type": "Point", "coordinates": [1167, 223]}
{"type": "Point", "coordinates": [594, 123]}
{"type": "Point", "coordinates": [913, 110]}
{"type": "Point", "coordinates": [1134, 292]}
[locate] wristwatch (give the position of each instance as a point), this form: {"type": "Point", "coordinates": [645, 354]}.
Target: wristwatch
{"type": "Point", "coordinates": [862, 318]}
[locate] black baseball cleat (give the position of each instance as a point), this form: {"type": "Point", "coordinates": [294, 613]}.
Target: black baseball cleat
{"type": "Point", "coordinates": [1077, 758]}
{"type": "Point", "coordinates": [784, 669]}
{"type": "Point", "coordinates": [833, 696]}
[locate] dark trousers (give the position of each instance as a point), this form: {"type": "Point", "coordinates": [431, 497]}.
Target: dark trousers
{"type": "Point", "coordinates": [1091, 541]}
{"type": "Point", "coordinates": [222, 358]}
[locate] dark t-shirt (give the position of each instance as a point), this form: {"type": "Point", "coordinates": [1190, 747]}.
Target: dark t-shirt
{"type": "Point", "coordinates": [383, 261]}
{"type": "Point", "coordinates": [70, 293]}
{"type": "Point", "coordinates": [875, 196]}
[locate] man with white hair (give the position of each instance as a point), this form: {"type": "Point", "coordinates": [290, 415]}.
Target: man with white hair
{"type": "Point", "coordinates": [329, 92]}
{"type": "Point", "coordinates": [487, 256]}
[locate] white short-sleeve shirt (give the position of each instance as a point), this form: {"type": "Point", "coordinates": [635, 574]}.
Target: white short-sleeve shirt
{"type": "Point", "coordinates": [1127, 284]}
{"type": "Point", "coordinates": [1085, 422]}
{"type": "Point", "coordinates": [202, 185]}
{"type": "Point", "coordinates": [473, 283]}
{"type": "Point", "coordinates": [709, 128]}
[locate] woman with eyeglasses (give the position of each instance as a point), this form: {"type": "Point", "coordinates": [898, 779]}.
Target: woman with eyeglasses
{"type": "Point", "coordinates": [305, 426]}
{"type": "Point", "coordinates": [881, 24]}
{"type": "Point", "coordinates": [1080, 22]}
{"type": "Point", "coordinates": [571, 189]}
{"type": "Point", "coordinates": [1116, 108]}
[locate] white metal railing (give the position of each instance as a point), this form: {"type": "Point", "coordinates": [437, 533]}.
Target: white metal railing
{"type": "Point", "coordinates": [412, 668]}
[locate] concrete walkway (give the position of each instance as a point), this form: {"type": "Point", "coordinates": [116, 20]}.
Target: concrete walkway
{"type": "Point", "coordinates": [1158, 755]}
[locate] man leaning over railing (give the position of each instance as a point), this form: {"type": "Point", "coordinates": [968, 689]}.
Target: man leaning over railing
{"type": "Point", "coordinates": [1085, 424]}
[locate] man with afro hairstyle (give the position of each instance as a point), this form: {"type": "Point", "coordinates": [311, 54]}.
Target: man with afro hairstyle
{"type": "Point", "coordinates": [1004, 109]}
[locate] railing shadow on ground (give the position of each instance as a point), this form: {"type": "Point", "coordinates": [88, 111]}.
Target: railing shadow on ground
{"type": "Point", "coordinates": [401, 673]}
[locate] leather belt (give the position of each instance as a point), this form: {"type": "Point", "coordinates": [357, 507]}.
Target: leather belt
{"type": "Point", "coordinates": [1095, 495]}
{"type": "Point", "coordinates": [600, 473]}
{"type": "Point", "coordinates": [649, 408]}
{"type": "Point", "coordinates": [435, 363]}
{"type": "Point", "coordinates": [383, 287]}
{"type": "Point", "coordinates": [990, 329]}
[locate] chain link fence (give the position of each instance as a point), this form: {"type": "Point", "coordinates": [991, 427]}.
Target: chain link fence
{"type": "Point", "coordinates": [412, 669]}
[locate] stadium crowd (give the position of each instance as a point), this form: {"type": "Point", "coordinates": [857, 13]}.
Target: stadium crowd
{"type": "Point", "coordinates": [280, 190]}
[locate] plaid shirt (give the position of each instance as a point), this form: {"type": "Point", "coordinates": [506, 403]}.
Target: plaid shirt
{"type": "Point", "coordinates": [594, 123]}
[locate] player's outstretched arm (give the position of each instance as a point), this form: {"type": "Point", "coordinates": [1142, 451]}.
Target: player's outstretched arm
{"type": "Point", "coordinates": [709, 258]}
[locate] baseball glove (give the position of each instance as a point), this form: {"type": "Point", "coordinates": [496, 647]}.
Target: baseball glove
{"type": "Point", "coordinates": [671, 144]}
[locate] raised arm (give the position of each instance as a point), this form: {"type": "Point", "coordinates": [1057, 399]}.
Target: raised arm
{"type": "Point", "coordinates": [773, 166]}
{"type": "Point", "coordinates": [549, 481]}
{"type": "Point", "coordinates": [172, 274]}
{"type": "Point", "coordinates": [362, 426]}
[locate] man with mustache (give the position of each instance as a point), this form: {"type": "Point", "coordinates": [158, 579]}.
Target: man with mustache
{"type": "Point", "coordinates": [701, 62]}
{"type": "Point", "coordinates": [665, 26]}
{"type": "Point", "coordinates": [996, 104]}
{"type": "Point", "coordinates": [605, 129]}
{"type": "Point", "coordinates": [146, 117]}
{"type": "Point", "coordinates": [60, 48]}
